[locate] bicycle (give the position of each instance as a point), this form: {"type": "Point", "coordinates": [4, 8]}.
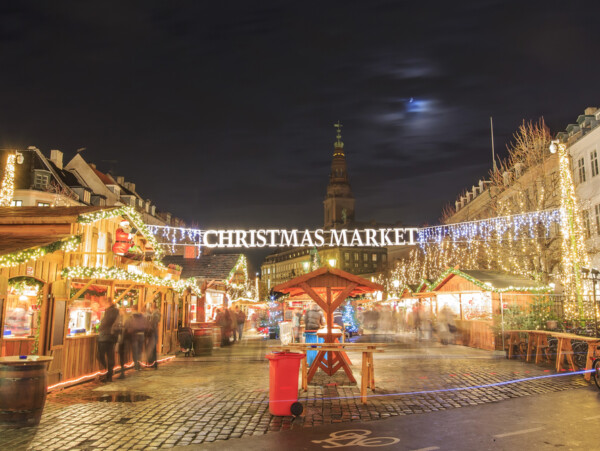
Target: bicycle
{"type": "Point", "coordinates": [596, 373]}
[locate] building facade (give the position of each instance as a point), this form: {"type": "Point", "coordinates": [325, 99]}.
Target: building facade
{"type": "Point", "coordinates": [583, 142]}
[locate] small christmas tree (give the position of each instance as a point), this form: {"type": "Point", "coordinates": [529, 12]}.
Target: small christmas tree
{"type": "Point", "coordinates": [315, 259]}
{"type": "Point", "coordinates": [349, 318]}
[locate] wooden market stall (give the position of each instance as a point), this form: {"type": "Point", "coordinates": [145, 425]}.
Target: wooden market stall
{"type": "Point", "coordinates": [328, 288]}
{"type": "Point", "coordinates": [58, 265]}
{"type": "Point", "coordinates": [222, 280]}
{"type": "Point", "coordinates": [475, 296]}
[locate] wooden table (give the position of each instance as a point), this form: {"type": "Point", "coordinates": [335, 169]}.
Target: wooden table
{"type": "Point", "coordinates": [564, 349]}
{"type": "Point", "coordinates": [368, 367]}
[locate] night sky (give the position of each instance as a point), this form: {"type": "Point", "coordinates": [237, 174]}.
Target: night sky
{"type": "Point", "coordinates": [222, 112]}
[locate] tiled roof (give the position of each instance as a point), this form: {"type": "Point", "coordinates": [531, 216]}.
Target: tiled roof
{"type": "Point", "coordinates": [67, 177]}
{"type": "Point", "coordinates": [102, 176]}
{"type": "Point", "coordinates": [210, 267]}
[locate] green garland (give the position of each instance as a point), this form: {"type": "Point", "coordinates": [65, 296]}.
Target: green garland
{"type": "Point", "coordinates": [132, 214]}
{"type": "Point", "coordinates": [20, 257]}
{"type": "Point", "coordinates": [431, 285]}
{"type": "Point", "coordinates": [114, 273]}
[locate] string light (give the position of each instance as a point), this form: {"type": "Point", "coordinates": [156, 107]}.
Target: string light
{"type": "Point", "coordinates": [134, 217]}
{"type": "Point", "coordinates": [17, 258]}
{"type": "Point", "coordinates": [524, 225]}
{"type": "Point", "coordinates": [574, 255]}
{"type": "Point", "coordinates": [114, 273]}
{"type": "Point", "coordinates": [7, 190]}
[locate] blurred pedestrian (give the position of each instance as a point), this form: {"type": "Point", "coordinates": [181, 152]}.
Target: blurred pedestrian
{"type": "Point", "coordinates": [119, 331]}
{"type": "Point", "coordinates": [313, 319]}
{"type": "Point", "coordinates": [296, 319]}
{"type": "Point", "coordinates": [153, 322]}
{"type": "Point", "coordinates": [106, 338]}
{"type": "Point", "coordinates": [446, 325]}
{"type": "Point", "coordinates": [241, 320]}
{"type": "Point", "coordinates": [234, 323]}
{"type": "Point", "coordinates": [135, 330]}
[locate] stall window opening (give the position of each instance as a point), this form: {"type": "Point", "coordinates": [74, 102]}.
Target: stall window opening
{"type": "Point", "coordinates": [22, 309]}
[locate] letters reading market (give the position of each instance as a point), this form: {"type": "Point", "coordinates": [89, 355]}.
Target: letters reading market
{"type": "Point", "coordinates": [308, 238]}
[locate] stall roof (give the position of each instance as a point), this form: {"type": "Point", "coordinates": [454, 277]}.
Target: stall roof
{"type": "Point", "coordinates": [490, 280]}
{"type": "Point", "coordinates": [326, 277]}
{"type": "Point", "coordinates": [210, 267]}
{"type": "Point", "coordinates": [10, 243]}
{"type": "Point", "coordinates": [44, 215]}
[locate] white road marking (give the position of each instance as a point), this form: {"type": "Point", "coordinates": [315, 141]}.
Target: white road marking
{"type": "Point", "coordinates": [592, 418]}
{"type": "Point", "coordinates": [430, 448]}
{"type": "Point", "coordinates": [524, 431]}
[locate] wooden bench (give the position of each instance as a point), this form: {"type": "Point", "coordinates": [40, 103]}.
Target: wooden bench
{"type": "Point", "coordinates": [367, 368]}
{"type": "Point", "coordinates": [564, 349]}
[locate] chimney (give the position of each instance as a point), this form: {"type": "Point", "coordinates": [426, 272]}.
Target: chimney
{"type": "Point", "coordinates": [92, 165]}
{"type": "Point", "coordinates": [589, 111]}
{"type": "Point", "coordinates": [190, 251]}
{"type": "Point", "coordinates": [458, 205]}
{"type": "Point", "coordinates": [121, 180]}
{"type": "Point", "coordinates": [56, 157]}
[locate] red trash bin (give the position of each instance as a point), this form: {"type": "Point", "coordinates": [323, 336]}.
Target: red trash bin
{"type": "Point", "coordinates": [283, 383]}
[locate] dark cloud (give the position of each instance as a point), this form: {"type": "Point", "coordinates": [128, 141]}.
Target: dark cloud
{"type": "Point", "coordinates": [222, 112]}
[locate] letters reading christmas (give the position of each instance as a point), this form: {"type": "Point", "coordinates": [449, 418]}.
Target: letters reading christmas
{"type": "Point", "coordinates": [309, 238]}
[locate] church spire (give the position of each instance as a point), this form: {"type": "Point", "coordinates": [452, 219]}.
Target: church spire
{"type": "Point", "coordinates": [339, 201]}
{"type": "Point", "coordinates": [338, 146]}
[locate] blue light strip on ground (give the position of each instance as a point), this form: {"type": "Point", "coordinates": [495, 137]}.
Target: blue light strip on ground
{"type": "Point", "coordinates": [444, 390]}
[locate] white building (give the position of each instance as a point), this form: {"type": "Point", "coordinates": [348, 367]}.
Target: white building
{"type": "Point", "coordinates": [583, 141]}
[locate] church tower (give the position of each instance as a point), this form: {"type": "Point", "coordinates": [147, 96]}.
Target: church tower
{"type": "Point", "coordinates": [339, 202]}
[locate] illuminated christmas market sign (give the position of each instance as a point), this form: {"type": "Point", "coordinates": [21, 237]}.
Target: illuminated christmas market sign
{"type": "Point", "coordinates": [529, 225]}
{"type": "Point", "coordinates": [289, 238]}
{"type": "Point", "coordinates": [310, 238]}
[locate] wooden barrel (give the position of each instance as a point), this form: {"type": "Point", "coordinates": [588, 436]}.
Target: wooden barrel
{"type": "Point", "coordinates": [23, 387]}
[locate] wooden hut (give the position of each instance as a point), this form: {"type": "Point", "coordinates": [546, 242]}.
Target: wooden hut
{"type": "Point", "coordinates": [474, 296]}
{"type": "Point", "coordinates": [55, 266]}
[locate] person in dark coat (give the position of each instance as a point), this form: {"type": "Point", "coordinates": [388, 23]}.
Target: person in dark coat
{"type": "Point", "coordinates": [107, 338]}
{"type": "Point", "coordinates": [313, 319]}
{"type": "Point", "coordinates": [122, 341]}
{"type": "Point", "coordinates": [135, 328]}
{"type": "Point", "coordinates": [153, 322]}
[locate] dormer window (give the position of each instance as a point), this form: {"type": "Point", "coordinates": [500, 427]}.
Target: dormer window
{"type": "Point", "coordinates": [41, 179]}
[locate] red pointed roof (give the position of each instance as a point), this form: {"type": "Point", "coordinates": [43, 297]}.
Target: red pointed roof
{"type": "Point", "coordinates": [325, 277]}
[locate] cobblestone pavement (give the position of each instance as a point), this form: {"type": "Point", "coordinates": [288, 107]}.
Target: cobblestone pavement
{"type": "Point", "coordinates": [197, 400]}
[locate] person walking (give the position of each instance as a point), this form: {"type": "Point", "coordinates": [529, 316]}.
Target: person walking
{"type": "Point", "coordinates": [241, 320]}
{"type": "Point", "coordinates": [106, 338]}
{"type": "Point", "coordinates": [135, 328]}
{"type": "Point", "coordinates": [234, 323]}
{"type": "Point", "coordinates": [119, 331]}
{"type": "Point", "coordinates": [152, 322]}
{"type": "Point", "coordinates": [313, 318]}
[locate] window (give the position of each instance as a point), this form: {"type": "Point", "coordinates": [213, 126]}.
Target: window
{"type": "Point", "coordinates": [16, 203]}
{"type": "Point", "coordinates": [347, 256]}
{"type": "Point", "coordinates": [374, 257]}
{"type": "Point", "coordinates": [41, 179]}
{"type": "Point", "coordinates": [594, 161]}
{"type": "Point", "coordinates": [586, 223]}
{"type": "Point", "coordinates": [581, 168]}
{"type": "Point", "coordinates": [356, 256]}
{"type": "Point", "coordinates": [597, 209]}
{"type": "Point", "coordinates": [365, 257]}
{"type": "Point", "coordinates": [43, 204]}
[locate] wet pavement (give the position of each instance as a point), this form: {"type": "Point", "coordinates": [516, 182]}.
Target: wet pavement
{"type": "Point", "coordinates": [192, 401]}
